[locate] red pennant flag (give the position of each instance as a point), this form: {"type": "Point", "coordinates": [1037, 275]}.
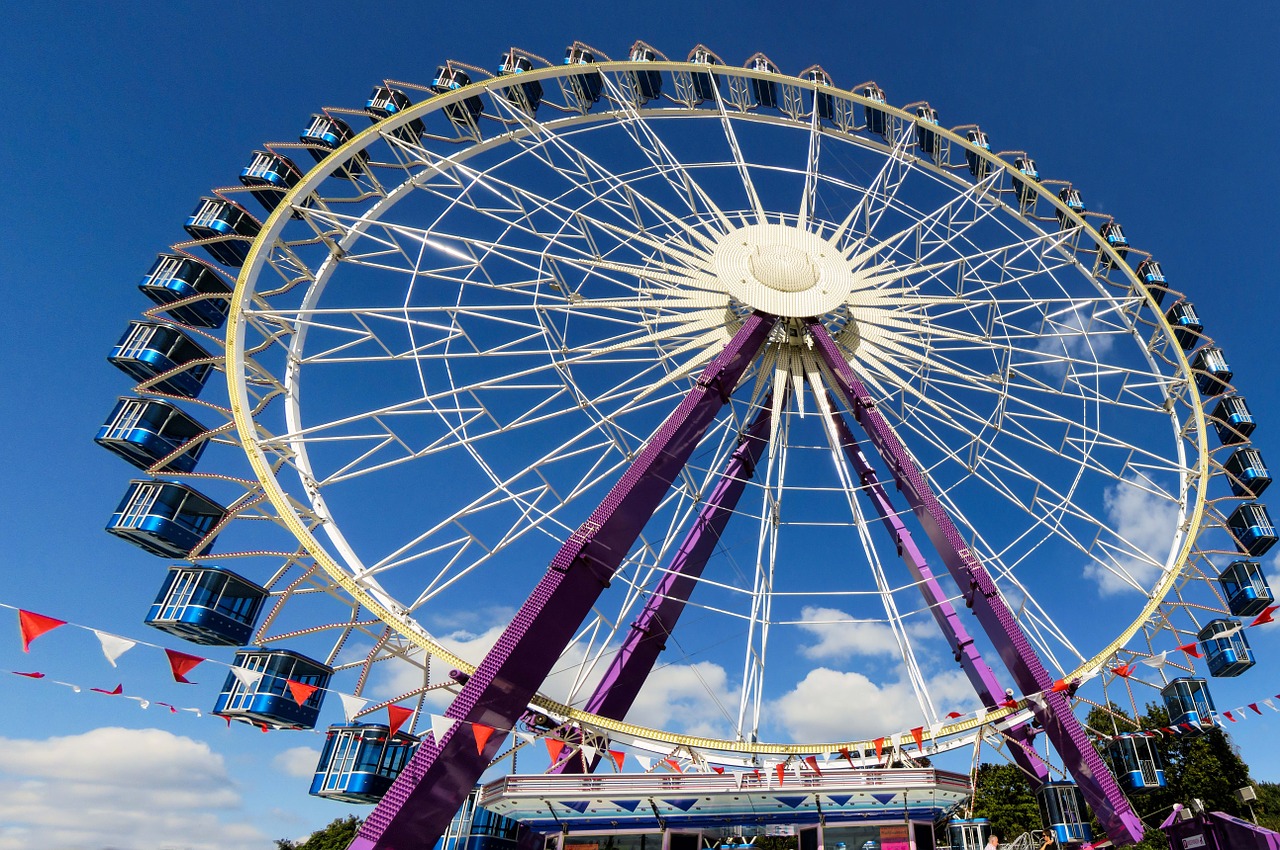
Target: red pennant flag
{"type": "Point", "coordinates": [1266, 616]}
{"type": "Point", "coordinates": [33, 625]}
{"type": "Point", "coordinates": [228, 719]}
{"type": "Point", "coordinates": [618, 756]}
{"type": "Point", "coordinates": [1060, 686]}
{"type": "Point", "coordinates": [844, 751]}
{"type": "Point", "coordinates": [1191, 649]}
{"type": "Point", "coordinates": [717, 769]}
{"type": "Point", "coordinates": [181, 664]}
{"type": "Point", "coordinates": [482, 733]}
{"type": "Point", "coordinates": [264, 728]}
{"type": "Point", "coordinates": [675, 765]}
{"type": "Point", "coordinates": [554, 748]}
{"type": "Point", "coordinates": [879, 747]}
{"type": "Point", "coordinates": [1010, 703]}
{"type": "Point", "coordinates": [119, 690]}
{"type": "Point", "coordinates": [300, 691]}
{"type": "Point", "coordinates": [918, 734]}
{"type": "Point", "coordinates": [1227, 714]}
{"type": "Point", "coordinates": [812, 761]}
{"type": "Point", "coordinates": [29, 675]}
{"type": "Point", "coordinates": [173, 710]}
{"type": "Point", "coordinates": [782, 772]}
{"type": "Point", "coordinates": [1124, 671]}
{"type": "Point", "coordinates": [397, 715]}
{"type": "Point", "coordinates": [1255, 708]}
{"type": "Point", "coordinates": [952, 715]}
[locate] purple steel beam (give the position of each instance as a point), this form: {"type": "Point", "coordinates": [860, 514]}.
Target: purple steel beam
{"type": "Point", "coordinates": [962, 646]}
{"type": "Point", "coordinates": [418, 806]}
{"type": "Point", "coordinates": [1096, 782]}
{"type": "Point", "coordinates": [647, 638]}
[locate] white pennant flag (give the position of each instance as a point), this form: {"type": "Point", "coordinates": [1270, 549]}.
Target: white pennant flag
{"type": "Point", "coordinates": [795, 768]}
{"type": "Point", "coordinates": [1157, 661]}
{"type": "Point", "coordinates": [737, 779]}
{"type": "Point", "coordinates": [527, 737]}
{"type": "Point", "coordinates": [195, 710]}
{"type": "Point", "coordinates": [645, 762]}
{"type": "Point", "coordinates": [1038, 700]}
{"type": "Point", "coordinates": [440, 726]}
{"type": "Point", "coordinates": [896, 740]}
{"type": "Point", "coordinates": [248, 678]}
{"type": "Point", "coordinates": [1269, 704]}
{"type": "Point", "coordinates": [1240, 713]}
{"type": "Point", "coordinates": [589, 753]}
{"type": "Point", "coordinates": [113, 646]}
{"type": "Point", "coordinates": [352, 705]}
{"type": "Point", "coordinates": [935, 730]}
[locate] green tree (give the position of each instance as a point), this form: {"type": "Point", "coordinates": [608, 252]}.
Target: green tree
{"type": "Point", "coordinates": [338, 835]}
{"type": "Point", "coordinates": [1003, 796]}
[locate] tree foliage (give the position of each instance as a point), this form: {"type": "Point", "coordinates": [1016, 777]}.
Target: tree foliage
{"type": "Point", "coordinates": [1003, 796]}
{"type": "Point", "coordinates": [338, 835]}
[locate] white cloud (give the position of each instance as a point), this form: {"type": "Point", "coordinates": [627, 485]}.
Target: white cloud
{"type": "Point", "coordinates": [841, 636]}
{"type": "Point", "coordinates": [128, 789]}
{"type": "Point", "coordinates": [689, 698]}
{"type": "Point", "coordinates": [830, 705]}
{"type": "Point", "coordinates": [1144, 523]}
{"type": "Point", "coordinates": [297, 761]}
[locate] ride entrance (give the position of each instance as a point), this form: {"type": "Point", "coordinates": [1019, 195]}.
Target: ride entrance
{"type": "Point", "coordinates": [569, 380]}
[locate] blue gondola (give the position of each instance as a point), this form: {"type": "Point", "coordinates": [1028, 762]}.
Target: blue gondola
{"type": "Point", "coordinates": [360, 761]}
{"type": "Point", "coordinates": [926, 118]}
{"type": "Point", "coordinates": [1251, 525]}
{"type": "Point", "coordinates": [385, 102]}
{"type": "Point", "coordinates": [1136, 763]}
{"type": "Point", "coordinates": [1186, 324]}
{"type": "Point", "coordinates": [145, 430]}
{"type": "Point", "coordinates": [646, 84]}
{"type": "Point", "coordinates": [1071, 199]}
{"type": "Point", "coordinates": [207, 605]}
{"type": "Point", "coordinates": [1232, 420]}
{"type": "Point", "coordinates": [270, 700]}
{"type": "Point", "coordinates": [324, 134]}
{"type": "Point", "coordinates": [527, 96]}
{"type": "Point", "coordinates": [148, 349]}
{"type": "Point", "coordinates": [464, 112]}
{"type": "Point", "coordinates": [166, 519]}
{"type": "Point", "coordinates": [1247, 472]}
{"type": "Point", "coordinates": [877, 119]}
{"type": "Point", "coordinates": [1213, 375]}
{"type": "Point", "coordinates": [173, 278]}
{"type": "Point", "coordinates": [269, 176]}
{"type": "Point", "coordinates": [978, 165]}
{"type": "Point", "coordinates": [1030, 175]}
{"type": "Point", "coordinates": [1063, 812]}
{"type": "Point", "coordinates": [704, 85]}
{"type": "Point", "coordinates": [824, 102]}
{"type": "Point", "coordinates": [765, 92]}
{"type": "Point", "coordinates": [1187, 700]}
{"type": "Point", "coordinates": [1152, 277]}
{"type": "Point", "coordinates": [968, 833]}
{"type": "Point", "coordinates": [1226, 649]}
{"type": "Point", "coordinates": [477, 828]}
{"type": "Point", "coordinates": [218, 218]}
{"type": "Point", "coordinates": [1245, 588]}
{"type": "Point", "coordinates": [585, 85]}
{"type": "Point", "coordinates": [1113, 234]}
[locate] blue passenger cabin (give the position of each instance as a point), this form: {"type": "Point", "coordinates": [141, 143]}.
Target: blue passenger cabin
{"type": "Point", "coordinates": [228, 222]}
{"type": "Point", "coordinates": [1247, 473]}
{"type": "Point", "coordinates": [144, 431]}
{"type": "Point", "coordinates": [1232, 420]}
{"type": "Point", "coordinates": [824, 102]}
{"type": "Point", "coordinates": [1187, 700]}
{"type": "Point", "coordinates": [765, 92]}
{"type": "Point", "coordinates": [324, 134]}
{"type": "Point", "coordinates": [1185, 323]}
{"type": "Point", "coordinates": [1071, 199]}
{"type": "Point", "coordinates": [1136, 763]}
{"type": "Point", "coordinates": [175, 278]}
{"type": "Point", "coordinates": [150, 349]}
{"type": "Point", "coordinates": [1113, 234]}
{"type": "Point", "coordinates": [207, 605]}
{"type": "Point", "coordinates": [464, 112]}
{"type": "Point", "coordinates": [877, 119]}
{"type": "Point", "coordinates": [385, 102]}
{"type": "Point", "coordinates": [1022, 186]}
{"type": "Point", "coordinates": [527, 96]}
{"type": "Point", "coordinates": [978, 165]}
{"type": "Point", "coordinates": [360, 761]}
{"type": "Point", "coordinates": [1213, 375]}
{"type": "Point", "coordinates": [1063, 812]}
{"type": "Point", "coordinates": [646, 84]}
{"type": "Point", "coordinates": [1152, 277]}
{"type": "Point", "coordinates": [704, 85]}
{"type": "Point", "coordinates": [269, 700]}
{"type": "Point", "coordinates": [968, 833]}
{"type": "Point", "coordinates": [1251, 525]}
{"type": "Point", "coordinates": [1226, 649]}
{"type": "Point", "coordinates": [269, 176]}
{"type": "Point", "coordinates": [474, 827]}
{"type": "Point", "coordinates": [166, 519]}
{"type": "Point", "coordinates": [585, 85]}
{"type": "Point", "coordinates": [926, 118]}
{"type": "Point", "coordinates": [1245, 588]}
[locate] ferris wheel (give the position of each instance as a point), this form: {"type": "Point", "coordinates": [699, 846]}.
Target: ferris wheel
{"type": "Point", "coordinates": [528, 371]}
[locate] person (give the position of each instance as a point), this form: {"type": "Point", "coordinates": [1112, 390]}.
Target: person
{"type": "Point", "coordinates": [993, 843]}
{"type": "Point", "coordinates": [1047, 842]}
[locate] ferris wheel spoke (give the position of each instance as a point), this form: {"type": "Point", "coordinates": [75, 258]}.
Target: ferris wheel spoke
{"type": "Point", "coordinates": [811, 173]}
{"type": "Point", "coordinates": [744, 173]}
{"type": "Point", "coordinates": [881, 192]}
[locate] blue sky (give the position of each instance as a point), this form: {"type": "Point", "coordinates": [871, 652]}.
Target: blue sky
{"type": "Point", "coordinates": [120, 117]}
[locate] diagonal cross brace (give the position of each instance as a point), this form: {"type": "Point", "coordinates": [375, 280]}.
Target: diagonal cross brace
{"type": "Point", "coordinates": [647, 638]}
{"type": "Point", "coordinates": [418, 806]}
{"type": "Point", "coordinates": [1096, 782]}
{"type": "Point", "coordinates": [962, 646]}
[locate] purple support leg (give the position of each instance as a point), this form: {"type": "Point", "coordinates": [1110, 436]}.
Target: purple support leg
{"type": "Point", "coordinates": [417, 807]}
{"type": "Point", "coordinates": [966, 652]}
{"type": "Point", "coordinates": [1088, 769]}
{"type": "Point", "coordinates": [648, 636]}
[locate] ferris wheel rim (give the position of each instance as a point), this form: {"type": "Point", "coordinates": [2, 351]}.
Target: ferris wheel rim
{"type": "Point", "coordinates": [399, 620]}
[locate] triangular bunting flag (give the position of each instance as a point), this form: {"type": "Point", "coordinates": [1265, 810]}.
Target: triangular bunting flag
{"type": "Point", "coordinates": [1157, 661]}
{"type": "Point", "coordinates": [248, 678]}
{"type": "Point", "coordinates": [119, 689]}
{"type": "Point", "coordinates": [351, 704]}
{"type": "Point", "coordinates": [795, 768]}
{"type": "Point", "coordinates": [483, 733]}
{"type": "Point", "coordinates": [879, 747]}
{"type": "Point", "coordinates": [300, 691]}
{"type": "Point", "coordinates": [812, 761]}
{"type": "Point", "coordinates": [717, 768]}
{"type": "Point", "coordinates": [954, 715]}
{"type": "Point", "coordinates": [617, 756]}
{"type": "Point", "coordinates": [1269, 704]}
{"type": "Point", "coordinates": [28, 675]}
{"type": "Point", "coordinates": [1255, 708]}
{"type": "Point", "coordinates": [645, 762]}
{"type": "Point", "coordinates": [180, 663]}
{"type": "Point", "coordinates": [113, 646]}
{"type": "Point", "coordinates": [896, 740]}
{"type": "Point", "coordinates": [33, 625]}
{"type": "Point", "coordinates": [781, 770]}
{"type": "Point", "coordinates": [440, 726]}
{"type": "Point", "coordinates": [398, 715]}
{"type": "Point", "coordinates": [918, 734]}
{"type": "Point", "coordinates": [527, 737]}
{"type": "Point", "coordinates": [1241, 713]}
{"type": "Point", "coordinates": [673, 764]}
{"type": "Point", "coordinates": [554, 748]}
{"type": "Point", "coordinates": [1060, 686]}
{"type": "Point", "coordinates": [737, 780]}
{"type": "Point", "coordinates": [589, 754]}
{"type": "Point", "coordinates": [1038, 700]}
{"type": "Point", "coordinates": [1124, 671]}
{"type": "Point", "coordinates": [1191, 649]}
{"type": "Point", "coordinates": [1228, 716]}
{"type": "Point", "coordinates": [844, 751]}
{"type": "Point", "coordinates": [1267, 616]}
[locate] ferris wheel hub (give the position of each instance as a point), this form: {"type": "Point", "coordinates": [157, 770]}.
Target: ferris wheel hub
{"type": "Point", "coordinates": [783, 270]}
